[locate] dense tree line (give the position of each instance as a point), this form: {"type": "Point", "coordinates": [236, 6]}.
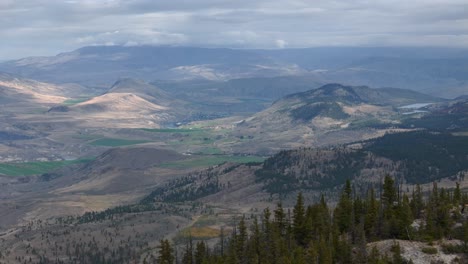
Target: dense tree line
{"type": "Point", "coordinates": [318, 234]}
{"type": "Point", "coordinates": [430, 157]}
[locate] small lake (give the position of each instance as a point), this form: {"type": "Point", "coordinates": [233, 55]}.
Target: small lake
{"type": "Point", "coordinates": [415, 106]}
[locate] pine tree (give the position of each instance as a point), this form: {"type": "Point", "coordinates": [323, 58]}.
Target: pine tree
{"type": "Point", "coordinates": [311, 255]}
{"type": "Point", "coordinates": [221, 241]}
{"type": "Point", "coordinates": [389, 195]}
{"type": "Point", "coordinates": [465, 235]}
{"type": "Point", "coordinates": [457, 195]}
{"type": "Point", "coordinates": [242, 240]}
{"type": "Point", "coordinates": [361, 242]}
{"type": "Point", "coordinates": [374, 256]}
{"type": "Point", "coordinates": [404, 218]}
{"type": "Point", "coordinates": [201, 252]}
{"type": "Point", "coordinates": [325, 253]}
{"type": "Point", "coordinates": [417, 203]}
{"type": "Point", "coordinates": [254, 245]}
{"type": "Point", "coordinates": [166, 255]}
{"type": "Point", "coordinates": [343, 216]}
{"type": "Point", "coordinates": [280, 218]}
{"type": "Point", "coordinates": [397, 258]}
{"type": "Point", "coordinates": [187, 257]}
{"type": "Point", "coordinates": [371, 217]}
{"type": "Point", "coordinates": [299, 220]}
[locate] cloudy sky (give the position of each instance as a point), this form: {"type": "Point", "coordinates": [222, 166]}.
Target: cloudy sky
{"type": "Point", "coordinates": [47, 27]}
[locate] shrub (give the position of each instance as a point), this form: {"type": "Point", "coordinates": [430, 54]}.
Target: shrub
{"type": "Point", "coordinates": [429, 250]}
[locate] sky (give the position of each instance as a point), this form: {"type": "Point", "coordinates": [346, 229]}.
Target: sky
{"type": "Point", "coordinates": [48, 27]}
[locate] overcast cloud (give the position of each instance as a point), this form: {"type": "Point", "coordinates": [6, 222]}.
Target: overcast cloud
{"type": "Point", "coordinates": [46, 27]}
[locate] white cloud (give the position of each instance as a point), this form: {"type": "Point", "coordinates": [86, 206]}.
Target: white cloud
{"type": "Point", "coordinates": [280, 43]}
{"type": "Point", "coordinates": [35, 27]}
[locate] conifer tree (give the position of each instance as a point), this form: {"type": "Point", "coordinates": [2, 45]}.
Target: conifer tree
{"type": "Point", "coordinates": [405, 218]}
{"type": "Point", "coordinates": [371, 217]}
{"type": "Point", "coordinates": [254, 244]}
{"type": "Point", "coordinates": [389, 195]}
{"type": "Point", "coordinates": [417, 202]}
{"type": "Point", "coordinates": [457, 195]}
{"type": "Point", "coordinates": [374, 256]}
{"type": "Point", "coordinates": [325, 253]}
{"type": "Point", "coordinates": [187, 257]}
{"type": "Point", "coordinates": [343, 216]}
{"type": "Point", "coordinates": [166, 255]}
{"type": "Point", "coordinates": [280, 218]}
{"type": "Point", "coordinates": [311, 255]}
{"type": "Point", "coordinates": [201, 252]}
{"type": "Point", "coordinates": [299, 220]}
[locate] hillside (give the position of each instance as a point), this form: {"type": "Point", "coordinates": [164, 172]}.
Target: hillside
{"type": "Point", "coordinates": [128, 103]}
{"type": "Point", "coordinates": [142, 89]}
{"type": "Point", "coordinates": [414, 157]}
{"type": "Point", "coordinates": [411, 158]}
{"type": "Point", "coordinates": [203, 203]}
{"type": "Point", "coordinates": [15, 90]}
{"type": "Point", "coordinates": [331, 114]}
{"type": "Point", "coordinates": [445, 117]}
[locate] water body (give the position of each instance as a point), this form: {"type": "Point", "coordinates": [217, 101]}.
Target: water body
{"type": "Point", "coordinates": [415, 112]}
{"type": "Point", "coordinates": [415, 106]}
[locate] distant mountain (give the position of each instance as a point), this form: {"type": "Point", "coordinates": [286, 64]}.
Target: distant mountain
{"type": "Point", "coordinates": [102, 65]}
{"type": "Point", "coordinates": [331, 114]}
{"type": "Point", "coordinates": [335, 58]}
{"type": "Point", "coordinates": [340, 102]}
{"type": "Point", "coordinates": [267, 88]}
{"type": "Point", "coordinates": [237, 96]}
{"type": "Point", "coordinates": [436, 71]}
{"type": "Point", "coordinates": [444, 77]}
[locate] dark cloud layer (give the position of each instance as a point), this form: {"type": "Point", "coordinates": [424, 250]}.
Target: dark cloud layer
{"type": "Point", "coordinates": [35, 27]}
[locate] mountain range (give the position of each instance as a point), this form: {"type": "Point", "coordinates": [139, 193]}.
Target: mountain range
{"type": "Point", "coordinates": [439, 72]}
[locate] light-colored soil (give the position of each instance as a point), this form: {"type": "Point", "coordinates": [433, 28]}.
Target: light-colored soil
{"type": "Point", "coordinates": [412, 250]}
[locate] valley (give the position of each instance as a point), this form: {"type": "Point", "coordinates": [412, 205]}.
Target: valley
{"type": "Point", "coordinates": [184, 148]}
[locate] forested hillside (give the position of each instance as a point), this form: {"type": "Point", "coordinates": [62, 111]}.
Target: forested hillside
{"type": "Point", "coordinates": [316, 233]}
{"type": "Point", "coordinates": [414, 157]}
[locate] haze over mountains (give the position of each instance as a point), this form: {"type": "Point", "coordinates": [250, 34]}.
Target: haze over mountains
{"type": "Point", "coordinates": [435, 71]}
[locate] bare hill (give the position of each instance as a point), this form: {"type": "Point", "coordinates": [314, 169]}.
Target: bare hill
{"type": "Point", "coordinates": [128, 103]}
{"type": "Point", "coordinates": [145, 90]}
{"type": "Point", "coordinates": [15, 90]}
{"type": "Point", "coordinates": [118, 102]}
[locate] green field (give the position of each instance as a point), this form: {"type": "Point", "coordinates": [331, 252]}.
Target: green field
{"type": "Point", "coordinates": [210, 151]}
{"type": "Point", "coordinates": [115, 142]}
{"type": "Point", "coordinates": [75, 101]}
{"type": "Point", "coordinates": [206, 161]}
{"type": "Point", "coordinates": [87, 137]}
{"type": "Point", "coordinates": [34, 168]}
{"type": "Point", "coordinates": [171, 130]}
